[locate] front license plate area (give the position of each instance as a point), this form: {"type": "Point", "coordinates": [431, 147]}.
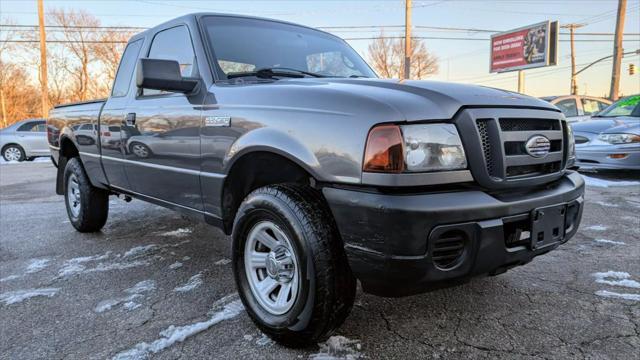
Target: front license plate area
{"type": "Point", "coordinates": [547, 225]}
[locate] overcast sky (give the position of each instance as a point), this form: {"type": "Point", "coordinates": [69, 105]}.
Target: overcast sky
{"type": "Point", "coordinates": [460, 60]}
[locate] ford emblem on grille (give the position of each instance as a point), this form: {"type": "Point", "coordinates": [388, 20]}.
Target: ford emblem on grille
{"type": "Point", "coordinates": [538, 146]}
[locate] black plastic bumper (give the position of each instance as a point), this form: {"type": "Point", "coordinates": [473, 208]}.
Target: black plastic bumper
{"type": "Point", "coordinates": [394, 243]}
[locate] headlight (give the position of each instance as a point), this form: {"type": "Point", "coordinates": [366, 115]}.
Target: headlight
{"type": "Point", "coordinates": [619, 138]}
{"type": "Point", "coordinates": [414, 148]}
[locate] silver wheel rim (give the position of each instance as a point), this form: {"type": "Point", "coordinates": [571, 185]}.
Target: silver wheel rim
{"type": "Point", "coordinates": [271, 267]}
{"type": "Point", "coordinates": [140, 150]}
{"type": "Point", "coordinates": [73, 195]}
{"type": "Point", "coordinates": [12, 154]}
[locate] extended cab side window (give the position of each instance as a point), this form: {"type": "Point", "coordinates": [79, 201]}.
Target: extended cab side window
{"type": "Point", "coordinates": [173, 44]}
{"type": "Point", "coordinates": [125, 70]}
{"type": "Point", "coordinates": [568, 107]}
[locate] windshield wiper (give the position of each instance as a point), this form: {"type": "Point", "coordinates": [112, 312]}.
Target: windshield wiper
{"type": "Point", "coordinates": [268, 73]}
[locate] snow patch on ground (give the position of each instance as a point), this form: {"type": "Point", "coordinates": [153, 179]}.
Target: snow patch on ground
{"type": "Point", "coordinates": [611, 294]}
{"type": "Point", "coordinates": [17, 296]}
{"type": "Point", "coordinates": [223, 262]}
{"type": "Point", "coordinates": [264, 340]}
{"type": "Point", "coordinates": [338, 347]}
{"type": "Point", "coordinates": [194, 282]}
{"type": "Point", "coordinates": [10, 277]}
{"type": "Point", "coordinates": [179, 232]}
{"type": "Point", "coordinates": [127, 302]}
{"type": "Point", "coordinates": [175, 334]}
{"type": "Point", "coordinates": [137, 256]}
{"type": "Point", "coordinates": [596, 228]}
{"type": "Point", "coordinates": [41, 159]}
{"type": "Point", "coordinates": [605, 241]}
{"type": "Point", "coordinates": [186, 258]}
{"type": "Point", "coordinates": [140, 250]}
{"type": "Point", "coordinates": [37, 265]}
{"type": "Point", "coordinates": [175, 265]}
{"type": "Point", "coordinates": [616, 278]}
{"type": "Point", "coordinates": [597, 182]}
{"type": "Point", "coordinates": [606, 204]}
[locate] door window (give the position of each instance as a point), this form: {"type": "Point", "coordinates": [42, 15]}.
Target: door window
{"type": "Point", "coordinates": [568, 107]}
{"type": "Point", "coordinates": [173, 44]}
{"type": "Point", "coordinates": [125, 70]}
{"type": "Point", "coordinates": [33, 126]}
{"type": "Point", "coordinates": [591, 106]}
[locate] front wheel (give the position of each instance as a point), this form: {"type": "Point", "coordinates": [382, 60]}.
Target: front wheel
{"type": "Point", "coordinates": [87, 206]}
{"type": "Point", "coordinates": [289, 265]}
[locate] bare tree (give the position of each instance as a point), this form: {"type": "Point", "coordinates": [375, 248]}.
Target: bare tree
{"type": "Point", "coordinates": [387, 58]}
{"type": "Point", "coordinates": [19, 96]}
{"type": "Point", "coordinates": [108, 53]}
{"type": "Point", "coordinates": [80, 35]}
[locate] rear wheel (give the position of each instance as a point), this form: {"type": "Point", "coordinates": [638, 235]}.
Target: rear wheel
{"type": "Point", "coordinates": [13, 153]}
{"type": "Point", "coordinates": [87, 206]}
{"type": "Point", "coordinates": [289, 264]}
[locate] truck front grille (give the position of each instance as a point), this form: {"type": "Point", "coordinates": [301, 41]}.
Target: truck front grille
{"type": "Point", "coordinates": [499, 157]}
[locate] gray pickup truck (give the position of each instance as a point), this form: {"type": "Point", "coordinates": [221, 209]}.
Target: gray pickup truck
{"type": "Point", "coordinates": [282, 136]}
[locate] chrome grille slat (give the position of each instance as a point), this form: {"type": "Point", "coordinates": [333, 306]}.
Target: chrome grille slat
{"type": "Point", "coordinates": [526, 135]}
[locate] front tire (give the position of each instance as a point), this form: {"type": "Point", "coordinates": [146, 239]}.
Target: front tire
{"type": "Point", "coordinates": [87, 206]}
{"type": "Point", "coordinates": [13, 153]}
{"type": "Point", "coordinates": [289, 265]}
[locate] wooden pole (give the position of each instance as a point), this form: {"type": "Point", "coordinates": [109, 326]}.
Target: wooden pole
{"type": "Point", "coordinates": [521, 81]}
{"type": "Point", "coordinates": [617, 51]}
{"type": "Point", "coordinates": [407, 40]}
{"type": "Point", "coordinates": [44, 87]}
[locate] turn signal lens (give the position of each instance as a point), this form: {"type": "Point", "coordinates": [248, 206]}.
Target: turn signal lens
{"type": "Point", "coordinates": [384, 152]}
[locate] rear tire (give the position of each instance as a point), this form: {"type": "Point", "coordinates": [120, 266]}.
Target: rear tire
{"type": "Point", "coordinates": [13, 153]}
{"type": "Point", "coordinates": [304, 238]}
{"type": "Point", "coordinates": [87, 206]}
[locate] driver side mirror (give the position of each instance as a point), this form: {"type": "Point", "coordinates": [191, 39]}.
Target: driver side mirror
{"type": "Point", "coordinates": [158, 74]}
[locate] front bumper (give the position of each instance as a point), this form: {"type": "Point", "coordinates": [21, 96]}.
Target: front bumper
{"type": "Point", "coordinates": [599, 157]}
{"type": "Point", "coordinates": [390, 240]}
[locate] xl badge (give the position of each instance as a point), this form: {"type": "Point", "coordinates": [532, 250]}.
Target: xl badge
{"type": "Point", "coordinates": [217, 121]}
{"type": "Point", "coordinates": [538, 146]}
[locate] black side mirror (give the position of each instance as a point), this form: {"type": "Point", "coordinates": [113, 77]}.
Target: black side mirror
{"type": "Point", "coordinates": [163, 75]}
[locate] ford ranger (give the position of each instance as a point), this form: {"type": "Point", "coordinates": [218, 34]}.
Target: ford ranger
{"type": "Point", "coordinates": [322, 173]}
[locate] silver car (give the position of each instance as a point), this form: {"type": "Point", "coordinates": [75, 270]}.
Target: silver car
{"type": "Point", "coordinates": [24, 140]}
{"type": "Point", "coordinates": [611, 139]}
{"type": "Point", "coordinates": [578, 107]}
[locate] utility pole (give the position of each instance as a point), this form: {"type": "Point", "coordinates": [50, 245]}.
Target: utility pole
{"type": "Point", "coordinates": [574, 82]}
{"type": "Point", "coordinates": [617, 51]}
{"type": "Point", "coordinates": [407, 39]}
{"type": "Point", "coordinates": [44, 87]}
{"type": "Point", "coordinates": [521, 81]}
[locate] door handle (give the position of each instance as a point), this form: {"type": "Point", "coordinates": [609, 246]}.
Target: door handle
{"type": "Point", "coordinates": [130, 119]}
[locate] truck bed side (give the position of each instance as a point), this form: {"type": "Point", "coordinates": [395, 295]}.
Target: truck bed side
{"type": "Point", "coordinates": [75, 129]}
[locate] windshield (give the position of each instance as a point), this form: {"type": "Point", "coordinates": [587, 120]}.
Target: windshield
{"type": "Point", "coordinates": [628, 106]}
{"type": "Point", "coordinates": [244, 45]}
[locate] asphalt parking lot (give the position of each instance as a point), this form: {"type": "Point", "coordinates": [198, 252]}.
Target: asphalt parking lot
{"type": "Point", "coordinates": [154, 284]}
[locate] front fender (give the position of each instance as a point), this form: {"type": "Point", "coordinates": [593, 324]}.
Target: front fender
{"type": "Point", "coordinates": [275, 141]}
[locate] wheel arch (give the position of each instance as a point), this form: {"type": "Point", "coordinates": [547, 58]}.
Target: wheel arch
{"type": "Point", "coordinates": [254, 168]}
{"type": "Point", "coordinates": [68, 150]}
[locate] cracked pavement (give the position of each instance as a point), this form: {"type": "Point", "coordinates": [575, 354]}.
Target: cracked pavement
{"type": "Point", "coordinates": [547, 309]}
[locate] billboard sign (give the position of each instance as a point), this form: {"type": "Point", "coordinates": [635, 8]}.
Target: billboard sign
{"type": "Point", "coordinates": [524, 48]}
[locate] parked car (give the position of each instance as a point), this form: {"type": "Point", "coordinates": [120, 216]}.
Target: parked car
{"type": "Point", "coordinates": [578, 107]}
{"type": "Point", "coordinates": [321, 172]}
{"type": "Point", "coordinates": [611, 139]}
{"type": "Point", "coordinates": [24, 140]}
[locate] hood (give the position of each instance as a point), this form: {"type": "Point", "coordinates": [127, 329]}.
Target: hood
{"type": "Point", "coordinates": [412, 100]}
{"type": "Point", "coordinates": [441, 99]}
{"type": "Point", "coordinates": [626, 124]}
